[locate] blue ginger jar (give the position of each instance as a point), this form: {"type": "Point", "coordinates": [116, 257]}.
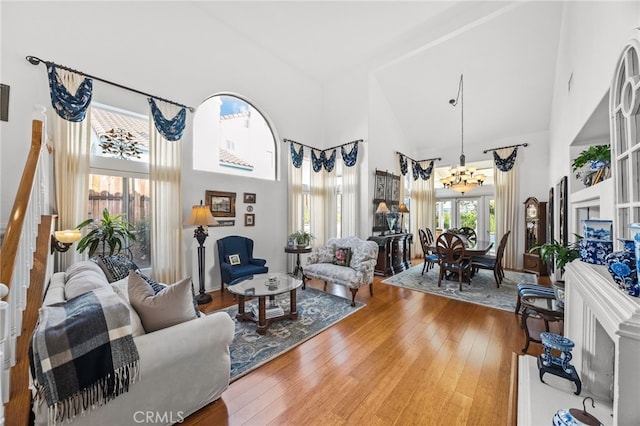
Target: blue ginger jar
{"type": "Point", "coordinates": [622, 266]}
{"type": "Point", "coordinates": [634, 230]}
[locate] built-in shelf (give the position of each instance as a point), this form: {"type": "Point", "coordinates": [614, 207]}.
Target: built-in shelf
{"type": "Point", "coordinates": [593, 202]}
{"type": "Point", "coordinates": [538, 402]}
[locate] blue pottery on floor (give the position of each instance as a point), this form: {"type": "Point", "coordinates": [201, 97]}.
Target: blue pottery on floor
{"type": "Point", "coordinates": [595, 251]}
{"type": "Point", "coordinates": [622, 265]}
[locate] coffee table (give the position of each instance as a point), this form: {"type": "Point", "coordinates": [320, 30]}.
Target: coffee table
{"type": "Point", "coordinates": [257, 286]}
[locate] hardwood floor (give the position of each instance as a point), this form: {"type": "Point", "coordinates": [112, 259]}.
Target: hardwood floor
{"type": "Point", "coordinates": [405, 358]}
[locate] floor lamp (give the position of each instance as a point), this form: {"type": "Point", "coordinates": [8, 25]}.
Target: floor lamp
{"type": "Point", "coordinates": [201, 216]}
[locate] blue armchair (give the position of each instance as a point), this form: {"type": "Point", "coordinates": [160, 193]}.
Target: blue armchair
{"type": "Point", "coordinates": [240, 249]}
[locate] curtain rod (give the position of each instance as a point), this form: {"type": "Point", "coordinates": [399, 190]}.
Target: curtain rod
{"type": "Point", "coordinates": [33, 60]}
{"type": "Point", "coordinates": [502, 147]}
{"type": "Point", "coordinates": [419, 161]}
{"type": "Point", "coordinates": [325, 149]}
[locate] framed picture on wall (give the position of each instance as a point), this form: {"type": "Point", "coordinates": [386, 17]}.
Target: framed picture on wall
{"type": "Point", "coordinates": [222, 204]}
{"type": "Point", "coordinates": [249, 219]}
{"type": "Point", "coordinates": [380, 185]}
{"type": "Point", "coordinates": [388, 190]}
{"type": "Point", "coordinates": [550, 225]}
{"type": "Point", "coordinates": [563, 225]}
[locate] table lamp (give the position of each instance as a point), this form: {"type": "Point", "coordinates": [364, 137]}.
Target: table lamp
{"type": "Point", "coordinates": [402, 210]}
{"type": "Point", "coordinates": [382, 208]}
{"type": "Point", "coordinates": [201, 216]}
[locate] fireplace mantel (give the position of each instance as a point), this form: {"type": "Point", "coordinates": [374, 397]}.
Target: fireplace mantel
{"type": "Point", "coordinates": [604, 323]}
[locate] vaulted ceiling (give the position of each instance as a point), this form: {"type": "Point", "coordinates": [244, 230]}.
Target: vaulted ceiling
{"type": "Point", "coordinates": [416, 52]}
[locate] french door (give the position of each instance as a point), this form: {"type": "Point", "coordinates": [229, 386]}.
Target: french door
{"type": "Point", "coordinates": [477, 213]}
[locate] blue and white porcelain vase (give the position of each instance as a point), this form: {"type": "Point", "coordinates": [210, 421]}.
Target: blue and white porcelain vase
{"type": "Point", "coordinates": [595, 251]}
{"type": "Point", "coordinates": [634, 230]}
{"type": "Point", "coordinates": [596, 243]}
{"type": "Point", "coordinates": [622, 265]}
{"type": "Point", "coordinates": [597, 229]}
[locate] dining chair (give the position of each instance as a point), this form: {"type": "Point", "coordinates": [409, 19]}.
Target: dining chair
{"type": "Point", "coordinates": [451, 252]}
{"type": "Point", "coordinates": [469, 234]}
{"type": "Point", "coordinates": [430, 258]}
{"type": "Point", "coordinates": [493, 263]}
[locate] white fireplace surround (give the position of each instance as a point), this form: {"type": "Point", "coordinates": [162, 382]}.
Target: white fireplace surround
{"type": "Point", "coordinates": [604, 323]}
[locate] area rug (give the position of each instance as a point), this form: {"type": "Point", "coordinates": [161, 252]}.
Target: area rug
{"type": "Point", "coordinates": [482, 291]}
{"type": "Point", "coordinates": [317, 311]}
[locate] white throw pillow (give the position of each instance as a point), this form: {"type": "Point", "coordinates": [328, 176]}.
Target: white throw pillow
{"type": "Point", "coordinates": [121, 289]}
{"type": "Point", "coordinates": [171, 306]}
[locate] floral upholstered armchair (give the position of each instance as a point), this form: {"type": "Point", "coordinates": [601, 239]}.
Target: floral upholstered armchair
{"type": "Point", "coordinates": [346, 261]}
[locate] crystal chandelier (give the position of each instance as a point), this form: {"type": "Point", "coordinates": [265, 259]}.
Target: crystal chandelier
{"type": "Point", "coordinates": [462, 178]}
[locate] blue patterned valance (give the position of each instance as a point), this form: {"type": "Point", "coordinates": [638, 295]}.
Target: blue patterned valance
{"type": "Point", "coordinates": [325, 158]}
{"type": "Point", "coordinates": [351, 158]}
{"type": "Point", "coordinates": [419, 172]}
{"type": "Point", "coordinates": [67, 106]}
{"type": "Point", "coordinates": [506, 164]}
{"type": "Point", "coordinates": [317, 162]}
{"type": "Point", "coordinates": [296, 157]}
{"type": "Point", "coordinates": [403, 165]}
{"type": "Point", "coordinates": [171, 129]}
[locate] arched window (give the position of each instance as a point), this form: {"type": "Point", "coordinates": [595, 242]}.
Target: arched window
{"type": "Point", "coordinates": [231, 136]}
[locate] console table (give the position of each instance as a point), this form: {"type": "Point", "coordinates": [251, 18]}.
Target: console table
{"type": "Point", "coordinates": [394, 253]}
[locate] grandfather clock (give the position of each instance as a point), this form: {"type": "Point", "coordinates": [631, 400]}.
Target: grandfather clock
{"type": "Point", "coordinates": [535, 233]}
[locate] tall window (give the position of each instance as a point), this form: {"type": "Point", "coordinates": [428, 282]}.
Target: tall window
{"type": "Point", "coordinates": [231, 136]}
{"type": "Point", "coordinates": [335, 223]}
{"type": "Point", "coordinates": [119, 179]}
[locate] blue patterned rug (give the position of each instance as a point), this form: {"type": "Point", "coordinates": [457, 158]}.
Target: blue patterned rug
{"type": "Point", "coordinates": [317, 311]}
{"type": "Point", "coordinates": [482, 291]}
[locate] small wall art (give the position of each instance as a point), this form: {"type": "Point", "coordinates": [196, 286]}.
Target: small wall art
{"type": "Point", "coordinates": [249, 219]}
{"type": "Point", "coordinates": [249, 198]}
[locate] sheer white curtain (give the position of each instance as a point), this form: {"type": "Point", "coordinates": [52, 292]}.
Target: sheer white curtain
{"type": "Point", "coordinates": [350, 199]}
{"type": "Point", "coordinates": [165, 178]}
{"type": "Point", "coordinates": [507, 204]}
{"type": "Point", "coordinates": [318, 206]}
{"type": "Point", "coordinates": [423, 210]}
{"type": "Point", "coordinates": [296, 199]}
{"type": "Point", "coordinates": [72, 144]}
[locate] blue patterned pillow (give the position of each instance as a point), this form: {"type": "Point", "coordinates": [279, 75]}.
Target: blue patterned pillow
{"type": "Point", "coordinates": [157, 288]}
{"type": "Point", "coordinates": [116, 268]}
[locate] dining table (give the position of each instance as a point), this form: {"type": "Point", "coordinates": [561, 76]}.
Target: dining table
{"type": "Point", "coordinates": [472, 247]}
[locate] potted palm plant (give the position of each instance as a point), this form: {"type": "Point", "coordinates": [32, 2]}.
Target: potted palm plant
{"type": "Point", "coordinates": [109, 235]}
{"type": "Point", "coordinates": [558, 253]}
{"type": "Point", "coordinates": [302, 238]}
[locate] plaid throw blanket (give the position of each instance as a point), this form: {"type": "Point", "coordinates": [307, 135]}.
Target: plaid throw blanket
{"type": "Point", "coordinates": [83, 354]}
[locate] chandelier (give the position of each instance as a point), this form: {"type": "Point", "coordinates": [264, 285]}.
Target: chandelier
{"type": "Point", "coordinates": [120, 143]}
{"type": "Point", "coordinates": [462, 178]}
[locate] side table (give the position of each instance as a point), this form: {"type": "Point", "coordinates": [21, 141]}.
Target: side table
{"type": "Point", "coordinates": [297, 251]}
{"type": "Point", "coordinates": [546, 308]}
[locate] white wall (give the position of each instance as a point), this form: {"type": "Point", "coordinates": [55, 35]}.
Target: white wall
{"type": "Point", "coordinates": [159, 48]}
{"type": "Point", "coordinates": [592, 37]}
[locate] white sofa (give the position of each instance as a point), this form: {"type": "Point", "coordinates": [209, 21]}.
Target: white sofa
{"type": "Point", "coordinates": [364, 256]}
{"type": "Point", "coordinates": [182, 368]}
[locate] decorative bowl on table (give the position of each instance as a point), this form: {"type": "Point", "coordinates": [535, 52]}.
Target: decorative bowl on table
{"type": "Point", "coordinates": [272, 283]}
